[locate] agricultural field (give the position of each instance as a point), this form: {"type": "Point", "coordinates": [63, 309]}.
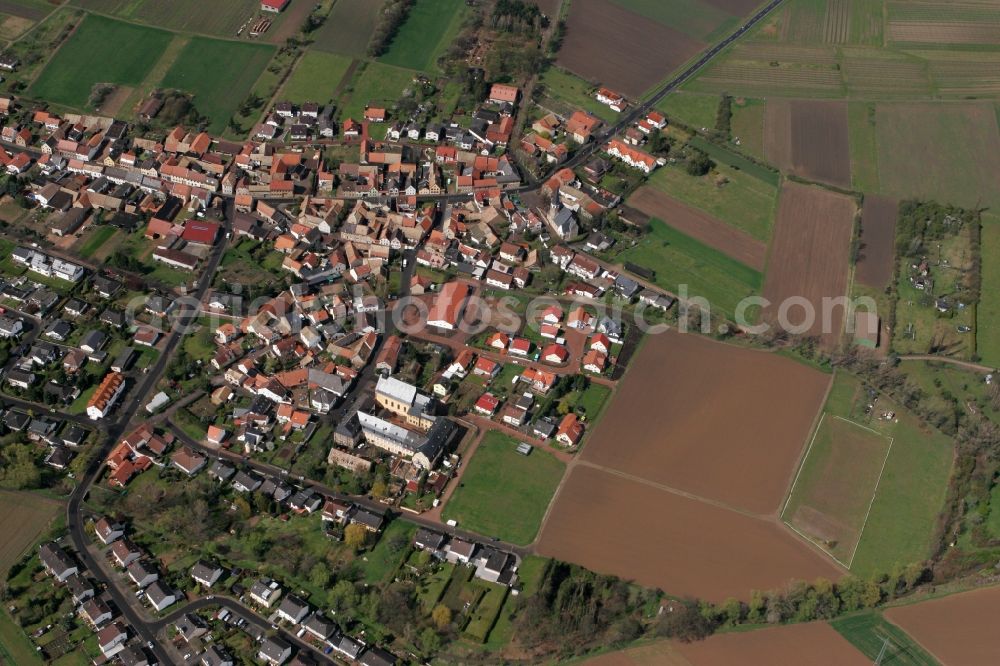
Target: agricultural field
{"type": "Point", "coordinates": [428, 31]}
{"type": "Point", "coordinates": [810, 139]}
{"type": "Point", "coordinates": [13, 26]}
{"type": "Point", "coordinates": [211, 18]}
{"type": "Point", "coordinates": [957, 629]}
{"type": "Point", "coordinates": [812, 644]}
{"type": "Point", "coordinates": [863, 143]}
{"type": "Point", "coordinates": [839, 476]}
{"type": "Point", "coordinates": [702, 227]}
{"type": "Point", "coordinates": [698, 19]}
{"type": "Point", "coordinates": [374, 84]}
{"type": "Point", "coordinates": [101, 50]}
{"type": "Point", "coordinates": [660, 537]}
{"type": "Point", "coordinates": [810, 255]}
{"type": "Point", "coordinates": [878, 242]}
{"type": "Point", "coordinates": [25, 517]}
{"type": "Point", "coordinates": [349, 27]}
{"type": "Point", "coordinates": [645, 52]}
{"type": "Point", "coordinates": [680, 260]}
{"type": "Point", "coordinates": [869, 632]}
{"type": "Point", "coordinates": [941, 22]}
{"type": "Point", "coordinates": [498, 476]}
{"type": "Point", "coordinates": [988, 312]}
{"type": "Point", "coordinates": [316, 78]}
{"type": "Point", "coordinates": [692, 109]}
{"type": "Point", "coordinates": [732, 196]}
{"type": "Point", "coordinates": [965, 144]}
{"type": "Point", "coordinates": [220, 89]}
{"type": "Point", "coordinates": [670, 437]}
{"type": "Point", "coordinates": [32, 10]}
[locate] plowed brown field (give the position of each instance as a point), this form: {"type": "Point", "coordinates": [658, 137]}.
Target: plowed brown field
{"type": "Point", "coordinates": [658, 538]}
{"type": "Point", "coordinates": [959, 630]}
{"type": "Point", "coordinates": [809, 138]}
{"type": "Point", "coordinates": [813, 644]}
{"type": "Point", "coordinates": [721, 422]}
{"type": "Point", "coordinates": [701, 226]}
{"type": "Point", "coordinates": [810, 251]}
{"type": "Point", "coordinates": [878, 240]}
{"type": "Point", "coordinates": [620, 49]}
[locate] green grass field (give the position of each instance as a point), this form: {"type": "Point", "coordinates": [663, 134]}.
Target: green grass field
{"type": "Point", "coordinates": [348, 28]}
{"type": "Point", "coordinates": [503, 493]}
{"type": "Point", "coordinates": [988, 312]}
{"type": "Point", "coordinates": [868, 631]}
{"type": "Point", "coordinates": [736, 161]}
{"type": "Point", "coordinates": [692, 109]}
{"type": "Point", "coordinates": [316, 77]}
{"type": "Point", "coordinates": [748, 126]}
{"type": "Point", "coordinates": [745, 202]}
{"type": "Point", "coordinates": [23, 518]}
{"type": "Point", "coordinates": [218, 89]}
{"type": "Point", "coordinates": [15, 647]}
{"type": "Point", "coordinates": [863, 146]}
{"type": "Point", "coordinates": [593, 399]}
{"type": "Point", "coordinates": [374, 84]}
{"type": "Point", "coordinates": [695, 18]}
{"type": "Point", "coordinates": [97, 237]}
{"type": "Point", "coordinates": [213, 18]}
{"type": "Point", "coordinates": [574, 93]}
{"type": "Point", "coordinates": [427, 32]}
{"type": "Point", "coordinates": [101, 50]}
{"type": "Point", "coordinates": [834, 488]}
{"type": "Point", "coordinates": [679, 259]}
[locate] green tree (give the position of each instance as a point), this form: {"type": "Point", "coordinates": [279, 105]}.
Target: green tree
{"type": "Point", "coordinates": [356, 536]}
{"type": "Point", "coordinates": [442, 617]}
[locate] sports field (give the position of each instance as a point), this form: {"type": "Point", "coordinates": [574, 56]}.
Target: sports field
{"type": "Point", "coordinates": [503, 493]}
{"type": "Point", "coordinates": [678, 259]}
{"type": "Point", "coordinates": [102, 50]}
{"type": "Point", "coordinates": [218, 89]}
{"type": "Point", "coordinates": [427, 32]}
{"type": "Point", "coordinates": [839, 477]}
{"type": "Point", "coordinates": [315, 78]}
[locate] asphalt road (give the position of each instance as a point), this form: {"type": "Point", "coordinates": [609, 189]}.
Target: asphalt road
{"type": "Point", "coordinates": [129, 409]}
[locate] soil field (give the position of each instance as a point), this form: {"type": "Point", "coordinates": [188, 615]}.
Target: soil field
{"type": "Point", "coordinates": [878, 241]}
{"type": "Point", "coordinates": [809, 138]}
{"type": "Point", "coordinates": [644, 51]}
{"type": "Point", "coordinates": [965, 144]}
{"type": "Point", "coordinates": [810, 252]}
{"type": "Point", "coordinates": [624, 526]}
{"type": "Point", "coordinates": [959, 630]}
{"type": "Point", "coordinates": [813, 644]}
{"type": "Point", "coordinates": [711, 419]}
{"type": "Point", "coordinates": [34, 11]}
{"type": "Point", "coordinates": [23, 517]}
{"type": "Point", "coordinates": [701, 226]}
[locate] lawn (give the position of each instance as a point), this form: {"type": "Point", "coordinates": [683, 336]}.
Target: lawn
{"type": "Point", "coordinates": [678, 259]}
{"type": "Point", "coordinates": [502, 493]}
{"type": "Point", "coordinates": [988, 314]}
{"type": "Point", "coordinates": [15, 647]}
{"type": "Point", "coordinates": [97, 237]}
{"type": "Point", "coordinates": [592, 401]}
{"type": "Point", "coordinates": [374, 84]}
{"type": "Point", "coordinates": [743, 201]}
{"type": "Point", "coordinates": [316, 77]}
{"type": "Point", "coordinates": [219, 89]}
{"type": "Point", "coordinates": [101, 50]}
{"type": "Point", "coordinates": [575, 93]}
{"type": "Point", "coordinates": [349, 27]}
{"type": "Point", "coordinates": [868, 632]}
{"type": "Point", "coordinates": [429, 29]}
{"type": "Point", "coordinates": [692, 109]}
{"type": "Point", "coordinates": [381, 562]}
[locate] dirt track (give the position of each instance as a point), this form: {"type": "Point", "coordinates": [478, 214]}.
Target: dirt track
{"type": "Point", "coordinates": [701, 226]}
{"type": "Point", "coordinates": [620, 49]}
{"type": "Point", "coordinates": [959, 630]}
{"type": "Point", "coordinates": [721, 422]}
{"type": "Point", "coordinates": [878, 238]}
{"type": "Point", "coordinates": [810, 251]}
{"type": "Point", "coordinates": [658, 538]}
{"type": "Point", "coordinates": [813, 644]}
{"type": "Point", "coordinates": [809, 138]}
